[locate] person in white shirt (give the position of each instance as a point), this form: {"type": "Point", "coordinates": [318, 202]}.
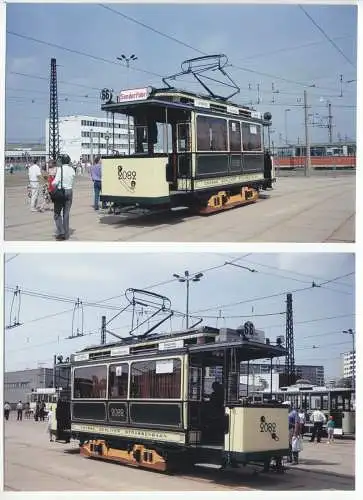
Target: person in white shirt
{"type": "Point", "coordinates": [19, 408]}
{"type": "Point", "coordinates": [35, 175]}
{"type": "Point", "coordinates": [302, 418]}
{"type": "Point", "coordinates": [318, 418]}
{"type": "Point", "coordinates": [50, 421]}
{"type": "Point", "coordinates": [63, 180]}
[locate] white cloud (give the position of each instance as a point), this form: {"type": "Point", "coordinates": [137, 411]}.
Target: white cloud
{"type": "Point", "coordinates": [23, 64]}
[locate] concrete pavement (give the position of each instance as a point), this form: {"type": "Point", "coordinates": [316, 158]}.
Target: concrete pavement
{"type": "Point", "coordinates": [315, 209]}
{"type": "Point", "coordinates": [32, 463]}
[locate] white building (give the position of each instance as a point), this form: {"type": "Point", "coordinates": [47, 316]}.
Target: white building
{"type": "Point", "coordinates": [348, 362]}
{"type": "Point", "coordinates": [261, 382]}
{"type": "Point", "coordinates": [85, 136]}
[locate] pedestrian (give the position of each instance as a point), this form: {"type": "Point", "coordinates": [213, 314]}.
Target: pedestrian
{"type": "Point", "coordinates": [11, 168]}
{"type": "Point", "coordinates": [19, 408]}
{"type": "Point", "coordinates": [294, 435]}
{"type": "Point", "coordinates": [96, 176]}
{"type": "Point", "coordinates": [302, 418]}
{"type": "Point", "coordinates": [330, 427]}
{"type": "Point", "coordinates": [267, 169]}
{"type": "Point", "coordinates": [50, 421]}
{"type": "Point", "coordinates": [62, 196]}
{"type": "Point", "coordinates": [42, 412]}
{"type": "Point", "coordinates": [318, 418]}
{"type": "Point", "coordinates": [37, 412]}
{"type": "Point", "coordinates": [27, 410]}
{"type": "Point", "coordinates": [7, 409]}
{"type": "Point", "coordinates": [35, 175]}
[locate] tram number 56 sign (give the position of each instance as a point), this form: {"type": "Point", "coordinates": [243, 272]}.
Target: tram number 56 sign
{"type": "Point", "coordinates": [106, 95]}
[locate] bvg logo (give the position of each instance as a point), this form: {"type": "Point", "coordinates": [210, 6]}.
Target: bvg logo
{"type": "Point", "coordinates": [127, 178]}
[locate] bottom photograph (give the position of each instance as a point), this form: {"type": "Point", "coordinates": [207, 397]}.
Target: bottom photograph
{"type": "Point", "coordinates": [179, 371]}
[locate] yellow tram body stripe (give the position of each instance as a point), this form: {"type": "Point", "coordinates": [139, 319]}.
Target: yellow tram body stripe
{"type": "Point", "coordinates": [174, 437]}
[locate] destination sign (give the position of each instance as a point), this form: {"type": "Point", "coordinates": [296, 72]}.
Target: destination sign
{"type": "Point", "coordinates": [133, 95]}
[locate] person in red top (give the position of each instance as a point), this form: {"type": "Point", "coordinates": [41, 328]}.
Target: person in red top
{"type": "Point", "coordinates": [52, 169]}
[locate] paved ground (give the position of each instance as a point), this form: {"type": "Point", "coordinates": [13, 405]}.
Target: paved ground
{"type": "Point", "coordinates": [320, 208]}
{"type": "Point", "coordinates": [32, 463]}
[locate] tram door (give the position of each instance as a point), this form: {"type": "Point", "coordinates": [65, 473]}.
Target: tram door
{"type": "Point", "coordinates": [206, 403]}
{"type": "Point", "coordinates": [184, 156]}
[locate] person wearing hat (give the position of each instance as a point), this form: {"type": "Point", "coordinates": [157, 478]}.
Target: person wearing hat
{"type": "Point", "coordinates": [63, 196]}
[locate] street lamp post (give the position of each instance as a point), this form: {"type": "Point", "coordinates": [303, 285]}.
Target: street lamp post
{"type": "Point", "coordinates": [351, 332]}
{"type": "Point", "coordinates": [286, 111]}
{"type": "Point", "coordinates": [186, 279]}
{"type": "Point", "coordinates": [127, 60]}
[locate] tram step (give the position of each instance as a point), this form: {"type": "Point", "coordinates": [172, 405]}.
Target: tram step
{"type": "Point", "coordinates": [209, 466]}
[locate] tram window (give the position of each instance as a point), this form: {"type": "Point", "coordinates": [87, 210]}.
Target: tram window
{"type": "Point", "coordinates": [141, 139]}
{"type": "Point", "coordinates": [118, 381]}
{"type": "Point", "coordinates": [195, 383]}
{"type": "Point", "coordinates": [90, 382]}
{"type": "Point", "coordinates": [315, 402]}
{"type": "Point", "coordinates": [251, 137]}
{"type": "Point", "coordinates": [211, 133]}
{"type": "Point", "coordinates": [156, 379]}
{"type": "Point", "coordinates": [325, 402]}
{"type": "Point", "coordinates": [234, 136]}
{"type": "Point", "coordinates": [183, 137]}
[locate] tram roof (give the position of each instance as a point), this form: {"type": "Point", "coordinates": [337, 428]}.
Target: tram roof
{"type": "Point", "coordinates": [205, 339]}
{"type": "Point", "coordinates": [128, 100]}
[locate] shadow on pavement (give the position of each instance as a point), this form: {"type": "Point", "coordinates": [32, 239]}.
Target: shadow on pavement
{"type": "Point", "coordinates": [296, 479]}
{"type": "Point", "coordinates": [141, 219]}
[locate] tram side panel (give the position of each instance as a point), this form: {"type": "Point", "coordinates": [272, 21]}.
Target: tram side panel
{"type": "Point", "coordinates": [256, 433]}
{"type": "Point", "coordinates": [130, 181]}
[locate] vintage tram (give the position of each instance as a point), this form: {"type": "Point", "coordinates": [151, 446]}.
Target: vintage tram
{"type": "Point", "coordinates": [186, 149]}
{"type": "Point", "coordinates": [165, 400]}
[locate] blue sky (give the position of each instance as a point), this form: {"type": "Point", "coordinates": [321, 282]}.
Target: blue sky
{"type": "Point", "coordinates": [278, 40]}
{"type": "Point", "coordinates": [320, 314]}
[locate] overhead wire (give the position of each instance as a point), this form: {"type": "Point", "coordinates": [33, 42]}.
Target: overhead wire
{"type": "Point", "coordinates": [326, 35]}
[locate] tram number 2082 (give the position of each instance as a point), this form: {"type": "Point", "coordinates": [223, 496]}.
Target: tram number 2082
{"type": "Point", "coordinates": [117, 413]}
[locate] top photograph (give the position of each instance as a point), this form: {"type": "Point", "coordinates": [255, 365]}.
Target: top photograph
{"type": "Point", "coordinates": [181, 123]}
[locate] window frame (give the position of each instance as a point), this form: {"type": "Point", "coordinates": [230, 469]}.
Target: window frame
{"type": "Point", "coordinates": [109, 398]}
{"type": "Point", "coordinates": [244, 122]}
{"type": "Point", "coordinates": [89, 366]}
{"type": "Point", "coordinates": [211, 151]}
{"type": "Point", "coordinates": [230, 121]}
{"type": "Point", "coordinates": [164, 358]}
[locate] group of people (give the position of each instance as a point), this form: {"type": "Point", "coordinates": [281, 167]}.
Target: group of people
{"type": "Point", "coordinates": [297, 421]}
{"type": "Point", "coordinates": [39, 414]}
{"type": "Point", "coordinates": [56, 185]}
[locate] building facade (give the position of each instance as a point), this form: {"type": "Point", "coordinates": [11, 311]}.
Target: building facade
{"type": "Point", "coordinates": [17, 385]}
{"type": "Point", "coordinates": [20, 156]}
{"type": "Point", "coordinates": [83, 137]}
{"type": "Point", "coordinates": [313, 373]}
{"type": "Point", "coordinates": [348, 362]}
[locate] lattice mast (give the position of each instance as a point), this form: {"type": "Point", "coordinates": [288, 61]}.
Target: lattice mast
{"type": "Point", "coordinates": [290, 358]}
{"type": "Point", "coordinates": [53, 112]}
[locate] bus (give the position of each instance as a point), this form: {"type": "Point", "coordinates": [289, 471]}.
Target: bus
{"type": "Point", "coordinates": [49, 396]}
{"type": "Point", "coordinates": [336, 402]}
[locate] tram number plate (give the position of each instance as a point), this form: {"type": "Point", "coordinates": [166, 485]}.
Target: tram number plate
{"type": "Point", "coordinates": [117, 412]}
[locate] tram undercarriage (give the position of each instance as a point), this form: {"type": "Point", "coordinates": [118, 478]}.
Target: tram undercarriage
{"type": "Point", "coordinates": [168, 460]}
